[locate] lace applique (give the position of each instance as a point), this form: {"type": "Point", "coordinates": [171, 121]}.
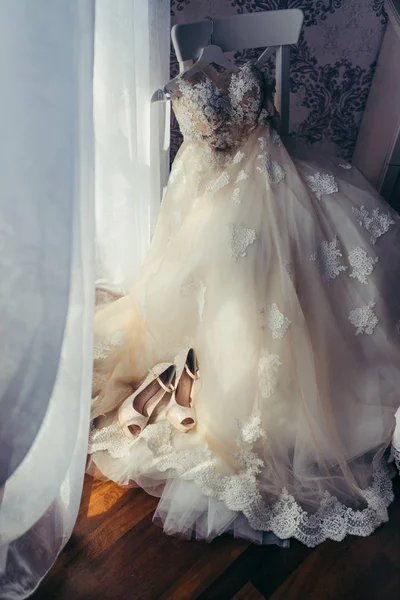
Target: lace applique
{"type": "Point", "coordinates": [345, 165]}
{"type": "Point", "coordinates": [290, 270]}
{"type": "Point", "coordinates": [275, 137]}
{"type": "Point", "coordinates": [195, 287]}
{"type": "Point", "coordinates": [239, 156]}
{"type": "Point", "coordinates": [221, 119]}
{"type": "Point", "coordinates": [112, 439]}
{"type": "Point", "coordinates": [240, 86]}
{"type": "Point", "coordinates": [240, 238]}
{"type": "Point", "coordinates": [322, 184]}
{"type": "Point", "coordinates": [364, 319]}
{"type": "Point", "coordinates": [177, 171]}
{"type": "Point", "coordinates": [102, 348]}
{"type": "Point", "coordinates": [236, 196]}
{"type": "Point", "coordinates": [376, 224]}
{"type": "Point", "coordinates": [202, 107]}
{"type": "Point", "coordinates": [328, 258]}
{"type": "Point", "coordinates": [273, 172]}
{"type": "Point", "coordinates": [263, 143]}
{"type": "Point", "coordinates": [264, 116]}
{"type": "Point", "coordinates": [268, 368]}
{"type": "Point", "coordinates": [363, 265]}
{"type": "Point", "coordinates": [242, 176]}
{"type": "Point", "coordinates": [240, 491]}
{"type": "Point", "coordinates": [276, 322]}
{"type": "Point", "coordinates": [219, 183]}
{"type": "Point", "coordinates": [206, 158]}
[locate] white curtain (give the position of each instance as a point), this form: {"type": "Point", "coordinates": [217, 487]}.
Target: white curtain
{"type": "Point", "coordinates": [60, 176]}
{"type": "Point", "coordinates": [46, 262]}
{"type": "Point", "coordinates": [131, 62]}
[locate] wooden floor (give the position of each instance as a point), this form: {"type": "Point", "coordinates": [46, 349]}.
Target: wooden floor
{"type": "Point", "coordinates": [116, 553]}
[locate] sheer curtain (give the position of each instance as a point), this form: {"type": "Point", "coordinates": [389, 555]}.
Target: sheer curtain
{"type": "Point", "coordinates": [47, 257]}
{"type": "Point", "coordinates": [131, 62]}
{"type": "Point", "coordinates": [70, 160]}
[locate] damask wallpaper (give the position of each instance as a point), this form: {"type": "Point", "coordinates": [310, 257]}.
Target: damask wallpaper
{"type": "Point", "coordinates": [331, 67]}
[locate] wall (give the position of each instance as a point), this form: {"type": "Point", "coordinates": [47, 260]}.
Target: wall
{"type": "Point", "coordinates": [331, 67]}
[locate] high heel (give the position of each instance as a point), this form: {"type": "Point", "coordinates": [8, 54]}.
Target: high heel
{"type": "Point", "coordinates": [135, 412]}
{"type": "Point", "coordinates": [180, 410]}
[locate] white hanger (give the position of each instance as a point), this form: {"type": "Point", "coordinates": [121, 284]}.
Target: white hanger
{"type": "Point", "coordinates": [210, 54]}
{"type": "Point", "coordinates": [262, 59]}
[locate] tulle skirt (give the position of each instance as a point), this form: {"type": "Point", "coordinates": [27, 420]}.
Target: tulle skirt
{"type": "Point", "coordinates": [282, 272]}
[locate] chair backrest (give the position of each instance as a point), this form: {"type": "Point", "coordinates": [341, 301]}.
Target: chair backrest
{"type": "Point", "coordinates": [277, 29]}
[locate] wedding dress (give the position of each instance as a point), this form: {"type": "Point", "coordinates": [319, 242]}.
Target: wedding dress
{"type": "Point", "coordinates": [282, 272]}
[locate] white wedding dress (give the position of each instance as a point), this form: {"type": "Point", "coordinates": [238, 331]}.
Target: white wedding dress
{"type": "Point", "coordinates": [283, 273]}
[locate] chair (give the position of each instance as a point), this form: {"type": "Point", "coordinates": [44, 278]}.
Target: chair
{"type": "Point", "coordinates": [276, 30]}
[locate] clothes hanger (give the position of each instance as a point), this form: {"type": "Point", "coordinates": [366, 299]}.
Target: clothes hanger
{"type": "Point", "coordinates": [210, 54]}
{"type": "Point", "coordinates": [262, 59]}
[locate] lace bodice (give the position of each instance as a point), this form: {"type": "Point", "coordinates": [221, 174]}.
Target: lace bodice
{"type": "Point", "coordinates": [222, 108]}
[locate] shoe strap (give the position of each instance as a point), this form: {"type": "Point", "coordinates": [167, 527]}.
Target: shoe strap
{"type": "Point", "coordinates": [194, 376]}
{"type": "Point", "coordinates": [167, 388]}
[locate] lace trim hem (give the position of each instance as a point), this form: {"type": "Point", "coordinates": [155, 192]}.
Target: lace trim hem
{"type": "Point", "coordinates": [240, 490]}
{"type": "Point", "coordinates": [285, 518]}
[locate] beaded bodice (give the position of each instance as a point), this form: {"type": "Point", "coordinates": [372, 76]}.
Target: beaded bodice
{"type": "Point", "coordinates": [221, 109]}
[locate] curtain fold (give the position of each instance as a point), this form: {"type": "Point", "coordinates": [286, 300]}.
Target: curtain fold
{"type": "Point", "coordinates": [83, 160]}
{"type": "Point", "coordinates": [47, 271]}
{"type": "Point", "coordinates": [132, 158]}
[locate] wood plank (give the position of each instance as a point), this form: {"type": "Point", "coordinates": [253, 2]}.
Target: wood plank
{"type": "Point", "coordinates": [248, 592]}
{"type": "Point", "coordinates": [117, 553]}
{"type": "Point", "coordinates": [219, 556]}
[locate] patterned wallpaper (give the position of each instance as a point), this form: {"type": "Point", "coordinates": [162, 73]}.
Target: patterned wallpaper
{"type": "Point", "coordinates": [331, 67]}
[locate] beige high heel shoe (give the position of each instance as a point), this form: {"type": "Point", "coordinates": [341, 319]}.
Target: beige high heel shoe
{"type": "Point", "coordinates": [135, 412]}
{"type": "Point", "coordinates": [180, 410]}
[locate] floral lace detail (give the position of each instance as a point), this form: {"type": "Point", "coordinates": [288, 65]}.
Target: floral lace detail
{"type": "Point", "coordinates": [268, 367]}
{"type": "Point", "coordinates": [236, 196]}
{"type": "Point", "coordinates": [219, 183]}
{"type": "Point", "coordinates": [263, 143]}
{"type": "Point", "coordinates": [177, 171]}
{"type": "Point", "coordinates": [242, 176]}
{"type": "Point", "coordinates": [328, 258]}
{"type": "Point", "coordinates": [273, 172]}
{"type": "Point", "coordinates": [322, 184]}
{"type": "Point", "coordinates": [195, 287]}
{"type": "Point", "coordinates": [199, 109]}
{"type": "Point", "coordinates": [364, 319]}
{"type": "Point", "coordinates": [206, 158]}
{"type": "Point", "coordinates": [264, 116]}
{"type": "Point", "coordinates": [345, 165]}
{"type": "Point", "coordinates": [276, 322]}
{"type": "Point", "coordinates": [239, 156]}
{"type": "Point", "coordinates": [102, 348]}
{"type": "Point", "coordinates": [290, 270]}
{"type": "Point", "coordinates": [221, 119]}
{"type": "Point", "coordinates": [363, 265]}
{"type": "Point", "coordinates": [240, 491]}
{"type": "Point", "coordinates": [376, 224]}
{"type": "Point", "coordinates": [275, 137]}
{"type": "Point", "coordinates": [240, 86]}
{"type": "Point", "coordinates": [240, 238]}
{"type": "Point", "coordinates": [112, 439]}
